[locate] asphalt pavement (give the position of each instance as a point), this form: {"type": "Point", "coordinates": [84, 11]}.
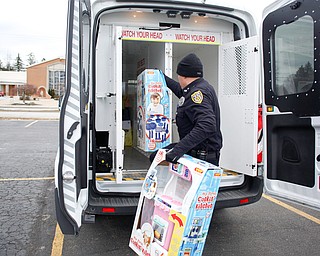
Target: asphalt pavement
{"type": "Point", "coordinates": [28, 221]}
{"type": "Point", "coordinates": [27, 215]}
{"type": "Point", "coordinates": [39, 109]}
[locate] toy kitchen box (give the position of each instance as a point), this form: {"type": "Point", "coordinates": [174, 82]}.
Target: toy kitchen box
{"type": "Point", "coordinates": [153, 111]}
{"type": "Point", "coordinates": [175, 207]}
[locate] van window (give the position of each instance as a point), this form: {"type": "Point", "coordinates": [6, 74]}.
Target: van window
{"type": "Point", "coordinates": [294, 57]}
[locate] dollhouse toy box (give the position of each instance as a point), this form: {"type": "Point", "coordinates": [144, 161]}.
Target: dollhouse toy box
{"type": "Point", "coordinates": [153, 111]}
{"type": "Point", "coordinates": [175, 207]}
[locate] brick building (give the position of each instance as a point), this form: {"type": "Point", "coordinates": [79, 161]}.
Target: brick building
{"type": "Point", "coordinates": [40, 77]}
{"type": "Point", "coordinates": [47, 75]}
{"type": "Point", "coordinates": [11, 80]}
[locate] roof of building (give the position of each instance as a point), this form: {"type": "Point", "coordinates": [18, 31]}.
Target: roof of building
{"type": "Point", "coordinates": [13, 77]}
{"type": "Point", "coordinates": [41, 63]}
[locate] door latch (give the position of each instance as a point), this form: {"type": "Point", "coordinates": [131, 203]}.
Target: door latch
{"type": "Point", "coordinates": [68, 177]}
{"type": "Point", "coordinates": [71, 130]}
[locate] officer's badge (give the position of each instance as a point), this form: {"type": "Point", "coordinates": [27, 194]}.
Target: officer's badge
{"type": "Point", "coordinates": [197, 97]}
{"type": "Point", "coordinates": [181, 101]}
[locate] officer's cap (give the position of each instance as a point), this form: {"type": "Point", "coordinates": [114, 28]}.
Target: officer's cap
{"type": "Point", "coordinates": [190, 66]}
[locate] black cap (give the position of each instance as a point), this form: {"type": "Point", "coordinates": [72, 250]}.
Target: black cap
{"type": "Point", "coordinates": [190, 66]}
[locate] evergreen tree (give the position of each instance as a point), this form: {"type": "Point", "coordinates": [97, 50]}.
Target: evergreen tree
{"type": "Point", "coordinates": [18, 64]}
{"type": "Point", "coordinates": [309, 70]}
{"type": "Point", "coordinates": [305, 72]}
{"type": "Point", "coordinates": [304, 77]}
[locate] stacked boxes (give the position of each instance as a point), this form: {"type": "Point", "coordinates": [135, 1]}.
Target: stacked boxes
{"type": "Point", "coordinates": [153, 111]}
{"type": "Point", "coordinates": [175, 208]}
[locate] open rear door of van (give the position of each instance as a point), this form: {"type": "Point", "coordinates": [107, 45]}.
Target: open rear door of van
{"type": "Point", "coordinates": [71, 175]}
{"type": "Point", "coordinates": [238, 99]}
{"type": "Point", "coordinates": [291, 65]}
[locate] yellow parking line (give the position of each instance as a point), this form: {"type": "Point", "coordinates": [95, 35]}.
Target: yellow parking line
{"type": "Point", "coordinates": [290, 208]}
{"type": "Point", "coordinates": [57, 243]}
{"type": "Point", "coordinates": [26, 179]}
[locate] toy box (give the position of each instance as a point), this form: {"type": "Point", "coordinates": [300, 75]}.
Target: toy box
{"type": "Point", "coordinates": [175, 207]}
{"type": "Point", "coordinates": [153, 111]}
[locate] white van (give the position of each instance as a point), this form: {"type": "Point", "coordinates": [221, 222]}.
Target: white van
{"type": "Point", "coordinates": [100, 170]}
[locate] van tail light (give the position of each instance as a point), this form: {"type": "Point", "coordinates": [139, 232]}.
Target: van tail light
{"type": "Point", "coordinates": [108, 210]}
{"type": "Point", "coordinates": [244, 201]}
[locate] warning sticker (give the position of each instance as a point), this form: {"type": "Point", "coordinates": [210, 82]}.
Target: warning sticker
{"type": "Point", "coordinates": [171, 36]}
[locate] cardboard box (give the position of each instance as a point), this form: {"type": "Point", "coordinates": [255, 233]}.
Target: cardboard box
{"type": "Point", "coordinates": [153, 111]}
{"type": "Point", "coordinates": [175, 207]}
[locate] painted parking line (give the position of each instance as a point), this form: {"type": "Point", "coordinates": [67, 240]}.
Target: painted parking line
{"type": "Point", "coordinates": [57, 243]}
{"type": "Point", "coordinates": [26, 179]}
{"type": "Point", "coordinates": [290, 208]}
{"type": "Point", "coordinates": [28, 125]}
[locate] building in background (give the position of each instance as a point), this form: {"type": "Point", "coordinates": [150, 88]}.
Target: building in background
{"type": "Point", "coordinates": [11, 80]}
{"type": "Point", "coordinates": [47, 75]}
{"type": "Point", "coordinates": [37, 81]}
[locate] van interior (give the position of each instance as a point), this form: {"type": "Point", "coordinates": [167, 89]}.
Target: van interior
{"type": "Point", "coordinates": [118, 63]}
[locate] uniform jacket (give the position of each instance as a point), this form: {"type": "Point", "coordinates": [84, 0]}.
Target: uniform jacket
{"type": "Point", "coordinates": [197, 117]}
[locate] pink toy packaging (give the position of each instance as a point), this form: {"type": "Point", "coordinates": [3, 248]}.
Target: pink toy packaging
{"type": "Point", "coordinates": [175, 207]}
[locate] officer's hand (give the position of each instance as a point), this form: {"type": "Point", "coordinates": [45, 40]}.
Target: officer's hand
{"type": "Point", "coordinates": [172, 158]}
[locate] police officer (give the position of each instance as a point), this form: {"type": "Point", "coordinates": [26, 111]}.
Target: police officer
{"type": "Point", "coordinates": [198, 114]}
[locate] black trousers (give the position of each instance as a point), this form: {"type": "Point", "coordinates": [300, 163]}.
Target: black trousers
{"type": "Point", "coordinates": [211, 157]}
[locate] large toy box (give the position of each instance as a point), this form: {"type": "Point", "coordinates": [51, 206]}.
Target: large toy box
{"type": "Point", "coordinates": [153, 111]}
{"type": "Point", "coordinates": [175, 207]}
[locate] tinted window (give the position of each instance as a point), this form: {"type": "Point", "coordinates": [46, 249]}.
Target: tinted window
{"type": "Point", "coordinates": [294, 57]}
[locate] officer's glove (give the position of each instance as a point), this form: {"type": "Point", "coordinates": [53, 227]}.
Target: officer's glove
{"type": "Point", "coordinates": [171, 157]}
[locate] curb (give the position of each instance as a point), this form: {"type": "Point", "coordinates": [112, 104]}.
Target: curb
{"type": "Point", "coordinates": [29, 118]}
{"type": "Point", "coordinates": [12, 109]}
{"type": "Point", "coordinates": [28, 110]}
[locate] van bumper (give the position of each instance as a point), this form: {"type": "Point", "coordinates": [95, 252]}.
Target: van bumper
{"type": "Point", "coordinates": [250, 192]}
{"type": "Point", "coordinates": [111, 204]}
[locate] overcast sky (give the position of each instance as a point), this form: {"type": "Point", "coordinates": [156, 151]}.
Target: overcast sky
{"type": "Point", "coordinates": [39, 27]}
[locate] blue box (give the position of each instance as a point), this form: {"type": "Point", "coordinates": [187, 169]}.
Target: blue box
{"type": "Point", "coordinates": [153, 111]}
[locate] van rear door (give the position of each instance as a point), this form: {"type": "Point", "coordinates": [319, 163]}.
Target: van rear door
{"type": "Point", "coordinates": [71, 175]}
{"type": "Point", "coordinates": [238, 99]}
{"type": "Point", "coordinates": [290, 38]}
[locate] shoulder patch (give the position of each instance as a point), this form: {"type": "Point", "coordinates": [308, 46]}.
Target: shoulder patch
{"type": "Point", "coordinates": [197, 97]}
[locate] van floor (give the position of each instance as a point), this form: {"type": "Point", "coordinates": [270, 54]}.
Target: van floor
{"type": "Point", "coordinates": [137, 163]}
{"type": "Point", "coordinates": [126, 176]}
{"type": "Point", "coordinates": [136, 159]}
{"type": "Point", "coordinates": [140, 175]}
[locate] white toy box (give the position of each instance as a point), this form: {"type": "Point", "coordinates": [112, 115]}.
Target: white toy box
{"type": "Point", "coordinates": [153, 111]}
{"type": "Point", "coordinates": [175, 207]}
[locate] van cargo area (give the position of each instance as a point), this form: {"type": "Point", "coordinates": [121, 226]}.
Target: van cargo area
{"type": "Point", "coordinates": [123, 51]}
{"type": "Point", "coordinates": [135, 56]}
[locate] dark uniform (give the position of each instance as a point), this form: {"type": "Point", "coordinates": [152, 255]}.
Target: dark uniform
{"type": "Point", "coordinates": [198, 121]}
{"type": "Point", "coordinates": [197, 117]}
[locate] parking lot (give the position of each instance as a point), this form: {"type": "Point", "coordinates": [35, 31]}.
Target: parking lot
{"type": "Point", "coordinates": [28, 224]}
